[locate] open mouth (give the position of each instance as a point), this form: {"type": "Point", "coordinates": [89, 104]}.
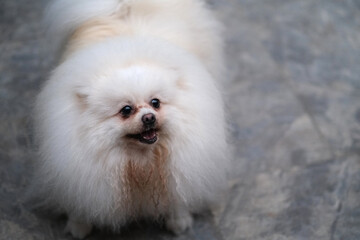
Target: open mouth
{"type": "Point", "coordinates": [148, 136]}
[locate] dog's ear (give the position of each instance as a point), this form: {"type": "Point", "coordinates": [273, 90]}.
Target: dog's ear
{"type": "Point", "coordinates": [82, 95]}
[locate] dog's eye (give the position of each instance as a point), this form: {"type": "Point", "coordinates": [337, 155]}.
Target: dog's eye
{"type": "Point", "coordinates": [126, 111]}
{"type": "Point", "coordinates": [155, 103]}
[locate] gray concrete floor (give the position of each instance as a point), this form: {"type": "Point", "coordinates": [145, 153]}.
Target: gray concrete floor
{"type": "Point", "coordinates": [294, 107]}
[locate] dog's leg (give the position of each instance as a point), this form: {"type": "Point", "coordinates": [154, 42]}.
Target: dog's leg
{"type": "Point", "coordinates": [179, 220]}
{"type": "Point", "coordinates": [77, 228]}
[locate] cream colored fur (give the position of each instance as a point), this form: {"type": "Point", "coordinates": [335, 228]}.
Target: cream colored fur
{"type": "Point", "coordinates": [119, 53]}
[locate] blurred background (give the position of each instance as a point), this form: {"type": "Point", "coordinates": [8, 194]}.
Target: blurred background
{"type": "Point", "coordinates": [293, 100]}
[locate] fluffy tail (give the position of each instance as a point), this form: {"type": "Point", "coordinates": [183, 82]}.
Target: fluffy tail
{"type": "Point", "coordinates": [64, 16]}
{"type": "Point", "coordinates": [188, 24]}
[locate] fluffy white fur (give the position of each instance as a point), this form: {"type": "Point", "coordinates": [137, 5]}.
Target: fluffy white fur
{"type": "Point", "coordinates": [119, 53]}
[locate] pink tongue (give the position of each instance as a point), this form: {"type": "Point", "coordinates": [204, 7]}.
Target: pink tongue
{"type": "Point", "coordinates": [148, 134]}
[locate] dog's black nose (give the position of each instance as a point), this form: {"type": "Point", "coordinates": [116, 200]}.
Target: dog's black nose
{"type": "Point", "coordinates": [148, 119]}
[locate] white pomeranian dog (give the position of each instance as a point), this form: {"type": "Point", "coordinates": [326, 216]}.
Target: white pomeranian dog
{"type": "Point", "coordinates": [131, 122]}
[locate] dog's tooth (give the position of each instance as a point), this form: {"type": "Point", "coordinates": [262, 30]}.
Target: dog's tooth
{"type": "Point", "coordinates": [150, 134]}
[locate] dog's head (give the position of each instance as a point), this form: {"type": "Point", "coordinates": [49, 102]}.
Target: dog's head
{"type": "Point", "coordinates": [132, 106]}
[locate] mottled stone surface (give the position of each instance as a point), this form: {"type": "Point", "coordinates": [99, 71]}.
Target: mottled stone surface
{"type": "Point", "coordinates": [293, 94]}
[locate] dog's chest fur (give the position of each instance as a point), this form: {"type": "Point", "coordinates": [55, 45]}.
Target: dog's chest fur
{"type": "Point", "coordinates": [145, 185]}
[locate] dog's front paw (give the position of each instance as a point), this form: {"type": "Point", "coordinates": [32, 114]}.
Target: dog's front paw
{"type": "Point", "coordinates": [179, 223]}
{"type": "Point", "coordinates": [77, 229]}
